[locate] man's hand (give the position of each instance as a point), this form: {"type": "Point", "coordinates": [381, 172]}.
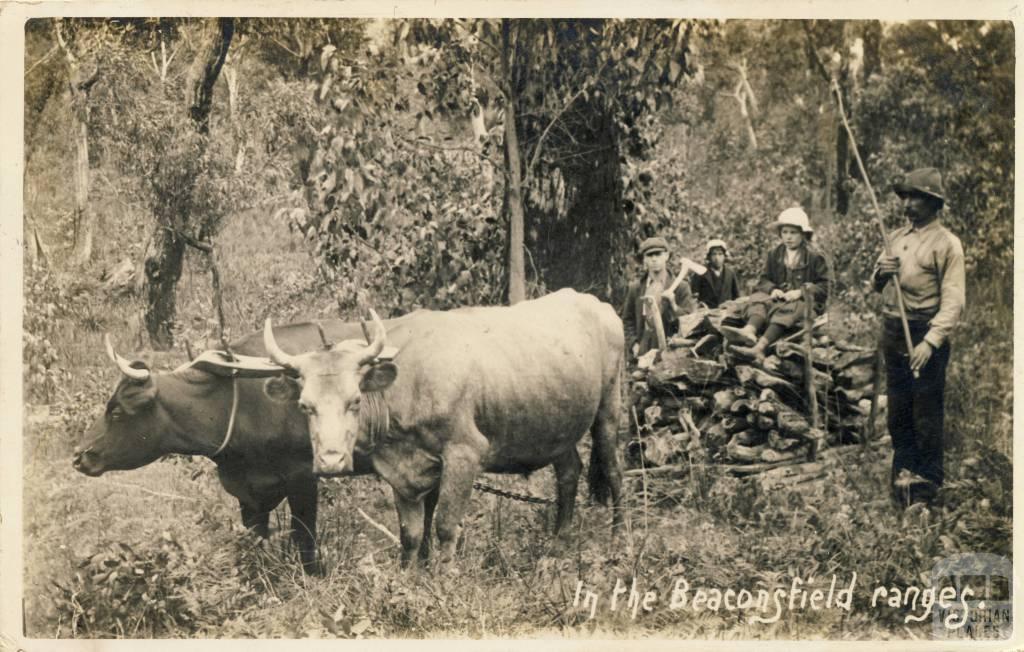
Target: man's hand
{"type": "Point", "coordinates": [887, 266]}
{"type": "Point", "coordinates": [669, 296]}
{"type": "Point", "coordinates": [921, 355]}
{"type": "Point", "coordinates": [777, 294]}
{"type": "Point", "coordinates": [792, 295]}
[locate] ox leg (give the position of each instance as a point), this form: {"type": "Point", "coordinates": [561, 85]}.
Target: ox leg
{"type": "Point", "coordinates": [605, 472]}
{"type": "Point", "coordinates": [455, 492]}
{"type": "Point", "coordinates": [256, 518]}
{"type": "Point", "coordinates": [302, 501]}
{"type": "Point", "coordinates": [429, 504]}
{"type": "Point", "coordinates": [410, 526]}
{"type": "Point", "coordinates": [567, 479]}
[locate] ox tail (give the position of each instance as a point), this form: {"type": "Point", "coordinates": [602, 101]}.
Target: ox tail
{"type": "Point", "coordinates": [604, 474]}
{"type": "Point", "coordinates": [600, 487]}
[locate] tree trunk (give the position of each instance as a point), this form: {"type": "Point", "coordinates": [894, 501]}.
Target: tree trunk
{"type": "Point", "coordinates": [167, 250]}
{"type": "Point", "coordinates": [34, 112]}
{"type": "Point", "coordinates": [872, 49]}
{"type": "Point", "coordinates": [842, 151]}
{"type": "Point", "coordinates": [84, 218]}
{"type": "Point", "coordinates": [513, 189]}
{"type": "Point", "coordinates": [205, 68]}
{"type": "Point", "coordinates": [79, 84]}
{"type": "Point", "coordinates": [231, 77]}
{"type": "Point", "coordinates": [162, 269]}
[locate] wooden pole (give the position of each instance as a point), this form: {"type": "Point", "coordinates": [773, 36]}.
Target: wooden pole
{"type": "Point", "coordinates": [880, 224]}
{"type": "Point", "coordinates": [812, 395]}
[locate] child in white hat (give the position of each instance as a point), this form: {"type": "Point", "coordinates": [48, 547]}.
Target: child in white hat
{"type": "Point", "coordinates": [777, 304]}
{"type": "Point", "coordinates": [720, 282]}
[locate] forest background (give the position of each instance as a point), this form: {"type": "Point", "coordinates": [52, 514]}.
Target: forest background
{"type": "Point", "coordinates": [325, 166]}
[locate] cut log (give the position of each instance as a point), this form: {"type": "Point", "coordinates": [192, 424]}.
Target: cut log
{"type": "Point", "coordinates": [850, 358]}
{"type": "Point", "coordinates": [680, 365]}
{"type": "Point", "coordinates": [768, 408]}
{"type": "Point", "coordinates": [740, 453]}
{"type": "Point", "coordinates": [723, 399]}
{"type": "Point", "coordinates": [776, 441]}
{"type": "Point", "coordinates": [697, 404]}
{"type": "Point", "coordinates": [672, 388]}
{"type": "Point", "coordinates": [686, 421]}
{"type": "Point", "coordinates": [792, 424]}
{"type": "Point", "coordinates": [694, 325]}
{"type": "Point", "coordinates": [765, 422]}
{"type": "Point", "coordinates": [647, 360]}
{"type": "Point", "coordinates": [856, 376]}
{"type": "Point", "coordinates": [770, 455]}
{"type": "Point", "coordinates": [741, 406]}
{"type": "Point", "coordinates": [752, 376]}
{"type": "Point", "coordinates": [733, 424]}
{"type": "Point", "coordinates": [749, 437]}
{"type": "Point", "coordinates": [716, 436]}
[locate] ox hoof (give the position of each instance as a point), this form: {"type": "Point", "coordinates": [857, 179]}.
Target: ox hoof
{"type": "Point", "coordinates": [314, 568]}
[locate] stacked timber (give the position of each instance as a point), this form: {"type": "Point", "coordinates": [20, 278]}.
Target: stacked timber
{"type": "Point", "coordinates": [699, 401]}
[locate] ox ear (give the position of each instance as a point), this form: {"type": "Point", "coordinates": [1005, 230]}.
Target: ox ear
{"type": "Point", "coordinates": [135, 395]}
{"type": "Point", "coordinates": [284, 389]}
{"type": "Point", "coordinates": [378, 377]}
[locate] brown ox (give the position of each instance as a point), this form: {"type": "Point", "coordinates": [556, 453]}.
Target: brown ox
{"type": "Point", "coordinates": [188, 411]}
{"type": "Point", "coordinates": [499, 390]}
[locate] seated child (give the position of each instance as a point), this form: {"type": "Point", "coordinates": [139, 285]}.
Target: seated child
{"type": "Point", "coordinates": [777, 304]}
{"type": "Point", "coordinates": [719, 283]}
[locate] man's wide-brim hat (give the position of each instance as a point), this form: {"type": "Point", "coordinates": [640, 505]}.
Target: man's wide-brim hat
{"type": "Point", "coordinates": [926, 182]}
{"type": "Point", "coordinates": [652, 244]}
{"type": "Point", "coordinates": [793, 217]}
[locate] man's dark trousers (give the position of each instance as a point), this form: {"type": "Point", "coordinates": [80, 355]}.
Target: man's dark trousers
{"type": "Point", "coordinates": [916, 406]}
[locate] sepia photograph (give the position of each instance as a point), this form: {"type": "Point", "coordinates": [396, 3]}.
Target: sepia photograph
{"type": "Point", "coordinates": [413, 326]}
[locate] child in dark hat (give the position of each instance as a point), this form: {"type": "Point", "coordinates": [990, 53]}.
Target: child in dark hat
{"type": "Point", "coordinates": [655, 282]}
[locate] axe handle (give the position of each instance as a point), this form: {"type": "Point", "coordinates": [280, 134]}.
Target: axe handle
{"type": "Point", "coordinates": [687, 265]}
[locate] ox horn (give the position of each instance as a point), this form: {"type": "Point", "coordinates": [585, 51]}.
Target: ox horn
{"type": "Point", "coordinates": [323, 336]}
{"type": "Point", "coordinates": [377, 345]}
{"type": "Point", "coordinates": [126, 367]}
{"type": "Point", "coordinates": [273, 350]}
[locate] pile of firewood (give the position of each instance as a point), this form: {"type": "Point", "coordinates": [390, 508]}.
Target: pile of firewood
{"type": "Point", "coordinates": [697, 400]}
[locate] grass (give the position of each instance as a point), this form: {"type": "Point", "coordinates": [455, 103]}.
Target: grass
{"type": "Point", "coordinates": [205, 577]}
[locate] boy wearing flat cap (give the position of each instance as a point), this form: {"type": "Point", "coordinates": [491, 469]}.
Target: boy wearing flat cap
{"type": "Point", "coordinates": [928, 262]}
{"type": "Point", "coordinates": [778, 303]}
{"type": "Point", "coordinates": [641, 336]}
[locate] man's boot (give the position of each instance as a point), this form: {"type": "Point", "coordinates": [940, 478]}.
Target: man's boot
{"type": "Point", "coordinates": [745, 336]}
{"type": "Point", "coordinates": [755, 353]}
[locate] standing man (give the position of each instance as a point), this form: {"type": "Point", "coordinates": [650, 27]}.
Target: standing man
{"type": "Point", "coordinates": [641, 336]}
{"type": "Point", "coordinates": [928, 262]}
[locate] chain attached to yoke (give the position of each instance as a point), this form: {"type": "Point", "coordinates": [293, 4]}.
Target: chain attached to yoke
{"type": "Point", "coordinates": [480, 486]}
